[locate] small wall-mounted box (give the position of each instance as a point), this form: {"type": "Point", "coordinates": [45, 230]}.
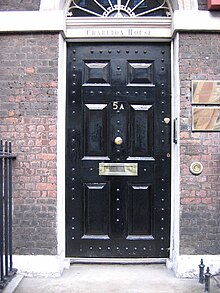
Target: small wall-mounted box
{"type": "Point", "coordinates": [213, 4]}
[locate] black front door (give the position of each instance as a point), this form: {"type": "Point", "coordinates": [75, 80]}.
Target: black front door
{"type": "Point", "coordinates": [118, 150]}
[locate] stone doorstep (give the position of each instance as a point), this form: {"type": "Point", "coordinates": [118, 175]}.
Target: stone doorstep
{"type": "Point", "coordinates": [13, 284]}
{"type": "Point", "coordinates": [216, 279]}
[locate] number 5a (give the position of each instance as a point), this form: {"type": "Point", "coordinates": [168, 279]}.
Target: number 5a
{"type": "Point", "coordinates": [117, 106]}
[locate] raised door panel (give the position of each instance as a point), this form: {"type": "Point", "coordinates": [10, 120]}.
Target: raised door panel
{"type": "Point", "coordinates": [96, 217]}
{"type": "Point", "coordinates": [140, 209]}
{"type": "Point", "coordinates": [95, 131]}
{"type": "Point", "coordinates": [141, 132]}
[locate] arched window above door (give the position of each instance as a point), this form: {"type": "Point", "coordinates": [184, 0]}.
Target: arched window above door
{"type": "Point", "coordinates": [119, 8]}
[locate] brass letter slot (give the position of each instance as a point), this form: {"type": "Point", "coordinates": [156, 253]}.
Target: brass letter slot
{"type": "Point", "coordinates": [118, 169]}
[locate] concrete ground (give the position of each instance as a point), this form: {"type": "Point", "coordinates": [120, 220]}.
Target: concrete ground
{"type": "Point", "coordinates": [95, 278]}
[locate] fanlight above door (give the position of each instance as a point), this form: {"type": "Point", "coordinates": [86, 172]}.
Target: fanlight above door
{"type": "Point", "coordinates": [118, 8]}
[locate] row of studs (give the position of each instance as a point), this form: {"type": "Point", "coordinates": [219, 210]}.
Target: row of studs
{"type": "Point", "coordinates": [118, 93]}
{"type": "Point", "coordinates": [119, 51]}
{"type": "Point", "coordinates": [73, 140]}
{"type": "Point", "coordinates": [163, 141]}
{"type": "Point", "coordinates": [163, 111]}
{"type": "Point", "coordinates": [128, 249]}
{"type": "Point", "coordinates": [118, 205]}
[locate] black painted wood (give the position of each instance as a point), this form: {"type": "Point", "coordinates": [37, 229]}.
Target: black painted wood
{"type": "Point", "coordinates": [118, 90]}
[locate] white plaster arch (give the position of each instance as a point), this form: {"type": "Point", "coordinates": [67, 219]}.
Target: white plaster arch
{"type": "Point", "coordinates": [64, 4]}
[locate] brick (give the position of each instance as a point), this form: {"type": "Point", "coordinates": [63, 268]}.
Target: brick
{"type": "Point", "coordinates": [198, 56]}
{"type": "Point", "coordinates": [45, 186]}
{"type": "Point", "coordinates": [29, 70]}
{"type": "Point", "coordinates": [190, 200]}
{"type": "Point", "coordinates": [52, 193]}
{"type": "Point", "coordinates": [52, 179]}
{"type": "Point", "coordinates": [207, 200]}
{"type": "Point", "coordinates": [46, 157]}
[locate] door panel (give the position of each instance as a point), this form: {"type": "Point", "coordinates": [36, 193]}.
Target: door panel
{"type": "Point", "coordinates": [117, 98]}
{"type": "Point", "coordinates": [95, 130]}
{"type": "Point", "coordinates": [140, 211]}
{"type": "Point", "coordinates": [141, 136]}
{"type": "Point", "coordinates": [96, 207]}
{"type": "Point", "coordinates": [140, 73]}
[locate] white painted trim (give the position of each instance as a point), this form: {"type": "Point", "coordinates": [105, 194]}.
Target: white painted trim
{"type": "Point", "coordinates": [191, 20]}
{"type": "Point", "coordinates": [61, 114]}
{"type": "Point", "coordinates": [186, 4]}
{"type": "Point", "coordinates": [28, 21]}
{"type": "Point", "coordinates": [175, 163]}
{"type": "Point", "coordinates": [172, 149]}
{"type": "Point", "coordinates": [40, 265]}
{"type": "Point", "coordinates": [42, 21]}
{"type": "Point", "coordinates": [187, 266]}
{"type": "Point", "coordinates": [175, 172]}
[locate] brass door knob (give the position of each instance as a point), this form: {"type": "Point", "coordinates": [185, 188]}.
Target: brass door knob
{"type": "Point", "coordinates": [118, 140]}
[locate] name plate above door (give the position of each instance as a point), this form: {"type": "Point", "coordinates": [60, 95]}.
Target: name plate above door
{"type": "Point", "coordinates": [159, 27]}
{"type": "Point", "coordinates": [118, 169]}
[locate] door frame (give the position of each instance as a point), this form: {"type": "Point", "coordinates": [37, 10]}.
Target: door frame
{"type": "Point", "coordinates": [159, 48]}
{"type": "Point", "coordinates": [174, 225]}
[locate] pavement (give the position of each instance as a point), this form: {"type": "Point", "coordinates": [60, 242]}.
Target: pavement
{"type": "Point", "coordinates": [94, 278]}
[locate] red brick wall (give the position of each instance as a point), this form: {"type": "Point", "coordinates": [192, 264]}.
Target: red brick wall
{"type": "Point", "coordinates": [28, 115]}
{"type": "Point", "coordinates": [200, 195]}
